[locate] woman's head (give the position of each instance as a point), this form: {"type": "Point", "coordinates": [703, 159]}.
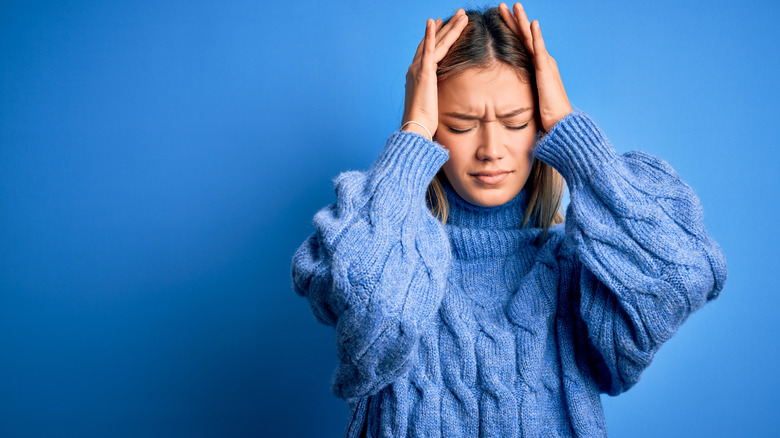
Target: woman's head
{"type": "Point", "coordinates": [488, 120]}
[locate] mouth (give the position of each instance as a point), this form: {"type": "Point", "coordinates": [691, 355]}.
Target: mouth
{"type": "Point", "coordinates": [491, 177]}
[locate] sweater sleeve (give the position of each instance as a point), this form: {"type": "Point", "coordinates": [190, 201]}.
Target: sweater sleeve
{"type": "Point", "coordinates": [635, 260]}
{"type": "Point", "coordinates": [375, 268]}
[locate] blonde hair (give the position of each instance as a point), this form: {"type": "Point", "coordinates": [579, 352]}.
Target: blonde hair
{"type": "Point", "coordinates": [485, 41]}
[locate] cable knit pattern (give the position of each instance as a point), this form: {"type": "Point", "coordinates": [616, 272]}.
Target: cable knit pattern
{"type": "Point", "coordinates": [468, 329]}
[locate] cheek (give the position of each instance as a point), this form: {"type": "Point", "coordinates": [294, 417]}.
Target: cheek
{"type": "Point", "coordinates": [460, 157]}
{"type": "Point", "coordinates": [456, 164]}
{"type": "Point", "coordinates": [453, 143]}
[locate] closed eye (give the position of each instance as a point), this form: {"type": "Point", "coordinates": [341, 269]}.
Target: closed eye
{"type": "Point", "coordinates": [517, 128]}
{"type": "Point", "coordinates": [463, 131]}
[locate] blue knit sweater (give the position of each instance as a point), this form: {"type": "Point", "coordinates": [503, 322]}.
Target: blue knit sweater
{"type": "Point", "coordinates": [468, 329]}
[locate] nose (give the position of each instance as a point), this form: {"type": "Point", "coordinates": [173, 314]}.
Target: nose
{"type": "Point", "coordinates": [491, 147]}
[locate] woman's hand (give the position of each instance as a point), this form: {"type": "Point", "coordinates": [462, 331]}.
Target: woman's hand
{"type": "Point", "coordinates": [421, 101]}
{"type": "Point", "coordinates": [553, 102]}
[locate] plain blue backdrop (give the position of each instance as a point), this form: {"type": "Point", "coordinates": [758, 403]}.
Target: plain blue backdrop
{"type": "Point", "coordinates": [160, 162]}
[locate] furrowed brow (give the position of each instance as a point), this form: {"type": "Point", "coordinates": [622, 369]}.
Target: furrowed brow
{"type": "Point", "coordinates": [502, 116]}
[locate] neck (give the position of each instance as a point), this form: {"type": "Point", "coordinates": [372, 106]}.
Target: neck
{"type": "Point", "coordinates": [478, 232]}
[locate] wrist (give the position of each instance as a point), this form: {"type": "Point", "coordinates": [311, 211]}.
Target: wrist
{"type": "Point", "coordinates": [417, 128]}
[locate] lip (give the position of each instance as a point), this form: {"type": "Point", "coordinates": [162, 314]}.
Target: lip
{"type": "Point", "coordinates": [492, 176]}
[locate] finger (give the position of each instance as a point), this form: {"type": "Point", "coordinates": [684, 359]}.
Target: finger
{"type": "Point", "coordinates": [525, 27]}
{"type": "Point", "coordinates": [540, 52]}
{"type": "Point", "coordinates": [418, 52]}
{"type": "Point", "coordinates": [446, 43]}
{"type": "Point", "coordinates": [506, 15]}
{"type": "Point", "coordinates": [429, 43]}
{"type": "Point", "coordinates": [447, 28]}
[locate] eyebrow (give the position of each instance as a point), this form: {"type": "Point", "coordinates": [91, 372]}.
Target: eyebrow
{"type": "Point", "coordinates": [502, 116]}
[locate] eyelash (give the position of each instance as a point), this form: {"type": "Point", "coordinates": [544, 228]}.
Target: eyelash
{"type": "Point", "coordinates": [514, 128]}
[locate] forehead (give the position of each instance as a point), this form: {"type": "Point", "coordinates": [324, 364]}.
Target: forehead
{"type": "Point", "coordinates": [491, 89]}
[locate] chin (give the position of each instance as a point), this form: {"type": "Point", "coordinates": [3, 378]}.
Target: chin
{"type": "Point", "coordinates": [493, 199]}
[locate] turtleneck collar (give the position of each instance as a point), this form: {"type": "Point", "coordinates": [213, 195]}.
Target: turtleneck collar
{"type": "Point", "coordinates": [464, 214]}
{"type": "Point", "coordinates": [478, 232]}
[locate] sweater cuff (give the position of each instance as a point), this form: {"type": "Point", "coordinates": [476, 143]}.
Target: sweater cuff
{"type": "Point", "coordinates": [408, 163]}
{"type": "Point", "coordinates": [576, 147]}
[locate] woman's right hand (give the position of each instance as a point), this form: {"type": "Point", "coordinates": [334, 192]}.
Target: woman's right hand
{"type": "Point", "coordinates": [421, 101]}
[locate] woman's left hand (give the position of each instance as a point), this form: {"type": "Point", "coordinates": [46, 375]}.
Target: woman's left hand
{"type": "Point", "coordinates": [553, 102]}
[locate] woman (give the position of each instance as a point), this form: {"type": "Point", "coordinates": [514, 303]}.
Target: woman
{"type": "Point", "coordinates": [463, 304]}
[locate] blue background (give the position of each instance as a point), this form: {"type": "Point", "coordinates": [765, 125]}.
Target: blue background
{"type": "Point", "coordinates": [161, 161]}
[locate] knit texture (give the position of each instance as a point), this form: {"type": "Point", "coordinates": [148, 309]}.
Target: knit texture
{"type": "Point", "coordinates": [470, 330]}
